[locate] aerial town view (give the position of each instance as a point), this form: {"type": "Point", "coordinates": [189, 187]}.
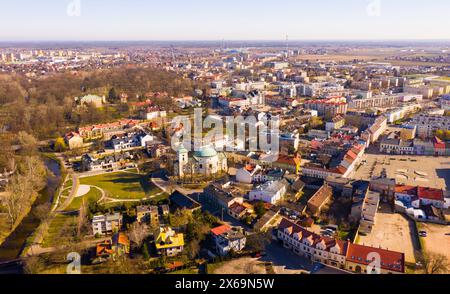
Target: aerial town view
{"type": "Point", "coordinates": [225, 138]}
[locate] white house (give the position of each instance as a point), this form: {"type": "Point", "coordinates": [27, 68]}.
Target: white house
{"type": "Point", "coordinates": [270, 192]}
{"type": "Point", "coordinates": [228, 239]}
{"type": "Point", "coordinates": [106, 224]}
{"type": "Point", "coordinates": [247, 173]}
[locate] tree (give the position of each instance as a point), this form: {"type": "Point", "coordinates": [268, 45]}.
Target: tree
{"type": "Point", "coordinates": [112, 95]}
{"type": "Point", "coordinates": [138, 233]}
{"type": "Point", "coordinates": [145, 252]}
{"type": "Point", "coordinates": [316, 122]}
{"type": "Point", "coordinates": [60, 145]}
{"type": "Point", "coordinates": [193, 249]}
{"type": "Point", "coordinates": [82, 218]}
{"type": "Point", "coordinates": [434, 263]}
{"type": "Point", "coordinates": [16, 198]}
{"type": "Point", "coordinates": [180, 218]}
{"type": "Point", "coordinates": [27, 142]}
{"type": "Point", "coordinates": [257, 242]}
{"type": "Point", "coordinates": [260, 209]}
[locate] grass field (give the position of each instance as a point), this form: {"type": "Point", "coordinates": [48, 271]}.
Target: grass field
{"type": "Point", "coordinates": [122, 185]}
{"type": "Point", "coordinates": [93, 195]}
{"type": "Point", "coordinates": [58, 229]}
{"type": "Point", "coordinates": [4, 227]}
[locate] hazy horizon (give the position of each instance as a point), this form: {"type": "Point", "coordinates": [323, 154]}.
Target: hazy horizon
{"type": "Point", "coordinates": [232, 20]}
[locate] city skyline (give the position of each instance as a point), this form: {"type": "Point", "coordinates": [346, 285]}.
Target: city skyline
{"type": "Point", "coordinates": [79, 20]}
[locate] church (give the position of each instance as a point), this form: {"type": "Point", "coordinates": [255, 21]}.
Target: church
{"type": "Point", "coordinates": [207, 161]}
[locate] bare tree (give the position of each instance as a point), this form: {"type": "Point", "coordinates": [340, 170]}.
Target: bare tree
{"type": "Point", "coordinates": [138, 233]}
{"type": "Point", "coordinates": [194, 248]}
{"type": "Point", "coordinates": [17, 198]}
{"type": "Point", "coordinates": [434, 263]}
{"type": "Point", "coordinates": [82, 218]}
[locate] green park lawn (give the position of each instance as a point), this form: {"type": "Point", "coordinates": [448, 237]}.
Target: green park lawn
{"type": "Point", "coordinates": [122, 185]}
{"type": "Point", "coordinates": [93, 195]}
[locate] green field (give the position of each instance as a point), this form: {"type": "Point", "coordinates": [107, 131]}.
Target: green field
{"type": "Point", "coordinates": [122, 185]}
{"type": "Point", "coordinates": [93, 195]}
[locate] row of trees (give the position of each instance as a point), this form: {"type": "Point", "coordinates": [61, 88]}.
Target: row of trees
{"type": "Point", "coordinates": [28, 178]}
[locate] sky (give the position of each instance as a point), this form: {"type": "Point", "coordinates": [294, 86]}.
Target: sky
{"type": "Point", "coordinates": [140, 20]}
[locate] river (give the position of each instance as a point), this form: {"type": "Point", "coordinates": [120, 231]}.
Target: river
{"type": "Point", "coordinates": [16, 241]}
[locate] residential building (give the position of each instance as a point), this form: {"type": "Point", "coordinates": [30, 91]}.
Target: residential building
{"type": "Point", "coordinates": [247, 173]}
{"type": "Point", "coordinates": [336, 123]}
{"type": "Point", "coordinates": [118, 245]}
{"type": "Point", "coordinates": [94, 100]}
{"type": "Point", "coordinates": [270, 192]}
{"type": "Point", "coordinates": [360, 259]}
{"type": "Point", "coordinates": [73, 140]}
{"type": "Point", "coordinates": [222, 196]}
{"type": "Point", "coordinates": [168, 242]}
{"type": "Point", "coordinates": [330, 107]}
{"type": "Point", "coordinates": [321, 198]}
{"type": "Point", "coordinates": [106, 224]}
{"type": "Point", "coordinates": [312, 246]}
{"type": "Point", "coordinates": [228, 239]}
{"type": "Point", "coordinates": [419, 196]}
{"type": "Point", "coordinates": [397, 146]}
{"type": "Point", "coordinates": [151, 214]}
{"type": "Point", "coordinates": [368, 212]}
{"type": "Point", "coordinates": [427, 125]}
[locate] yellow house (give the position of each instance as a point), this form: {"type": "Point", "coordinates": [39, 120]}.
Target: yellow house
{"type": "Point", "coordinates": [168, 242]}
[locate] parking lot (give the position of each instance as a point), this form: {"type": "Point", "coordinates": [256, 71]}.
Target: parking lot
{"type": "Point", "coordinates": [394, 232]}
{"type": "Point", "coordinates": [426, 171]}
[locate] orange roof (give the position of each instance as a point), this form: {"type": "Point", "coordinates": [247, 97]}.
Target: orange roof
{"type": "Point", "coordinates": [220, 230]}
{"type": "Point", "coordinates": [410, 190]}
{"type": "Point", "coordinates": [390, 260]}
{"type": "Point", "coordinates": [104, 248]}
{"type": "Point", "coordinates": [288, 160]}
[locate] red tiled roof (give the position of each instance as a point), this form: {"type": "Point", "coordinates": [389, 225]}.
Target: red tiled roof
{"type": "Point", "coordinates": [303, 233]}
{"type": "Point", "coordinates": [430, 193]}
{"type": "Point", "coordinates": [390, 260]}
{"type": "Point", "coordinates": [220, 230]}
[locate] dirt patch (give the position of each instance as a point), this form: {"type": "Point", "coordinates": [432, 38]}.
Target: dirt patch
{"type": "Point", "coordinates": [83, 190]}
{"type": "Point", "coordinates": [241, 266]}
{"type": "Point", "coordinates": [436, 240]}
{"type": "Point", "coordinates": [394, 232]}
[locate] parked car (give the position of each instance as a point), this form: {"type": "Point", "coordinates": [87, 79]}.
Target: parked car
{"type": "Point", "coordinates": [423, 234]}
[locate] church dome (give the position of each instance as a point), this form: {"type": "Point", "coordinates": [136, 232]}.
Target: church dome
{"type": "Point", "coordinates": [206, 152]}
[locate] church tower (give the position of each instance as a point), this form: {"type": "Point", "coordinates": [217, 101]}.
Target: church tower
{"type": "Point", "coordinates": [183, 158]}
